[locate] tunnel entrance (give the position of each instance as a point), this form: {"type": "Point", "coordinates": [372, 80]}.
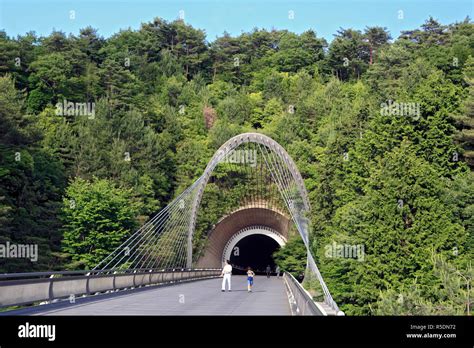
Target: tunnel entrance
{"type": "Point", "coordinates": [253, 251]}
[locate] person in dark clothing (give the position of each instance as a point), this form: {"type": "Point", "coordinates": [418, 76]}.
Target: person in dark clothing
{"type": "Point", "coordinates": [269, 269]}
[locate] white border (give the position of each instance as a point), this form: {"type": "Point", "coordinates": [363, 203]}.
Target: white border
{"type": "Point", "coordinates": [248, 231]}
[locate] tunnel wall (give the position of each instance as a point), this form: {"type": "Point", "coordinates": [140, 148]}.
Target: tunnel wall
{"type": "Point", "coordinates": [232, 224]}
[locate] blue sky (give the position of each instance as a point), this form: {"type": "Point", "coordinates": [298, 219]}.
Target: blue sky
{"type": "Point", "coordinates": [233, 16]}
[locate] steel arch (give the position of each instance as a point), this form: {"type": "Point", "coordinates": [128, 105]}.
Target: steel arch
{"type": "Point", "coordinates": [226, 148]}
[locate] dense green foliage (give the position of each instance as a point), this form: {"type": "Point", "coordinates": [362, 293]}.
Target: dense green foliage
{"type": "Point", "coordinates": [399, 184]}
{"type": "Point", "coordinates": [97, 217]}
{"type": "Point", "coordinates": [292, 257]}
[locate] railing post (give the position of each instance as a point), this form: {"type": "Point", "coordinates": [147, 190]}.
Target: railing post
{"type": "Point", "coordinates": [50, 291]}
{"type": "Point", "coordinates": [189, 260]}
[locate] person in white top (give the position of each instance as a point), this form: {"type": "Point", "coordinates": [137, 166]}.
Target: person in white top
{"type": "Point", "coordinates": [226, 274]}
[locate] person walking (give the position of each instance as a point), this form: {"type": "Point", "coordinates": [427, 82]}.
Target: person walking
{"type": "Point", "coordinates": [226, 274]}
{"type": "Point", "coordinates": [250, 275]}
{"type": "Point", "coordinates": [269, 269]}
{"type": "Point", "coordinates": [278, 271]}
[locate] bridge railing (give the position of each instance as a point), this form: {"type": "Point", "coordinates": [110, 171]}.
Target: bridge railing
{"type": "Point", "coordinates": [301, 301]}
{"type": "Point", "coordinates": [26, 288]}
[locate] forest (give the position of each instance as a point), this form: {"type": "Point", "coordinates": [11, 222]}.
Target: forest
{"type": "Point", "coordinates": [380, 128]}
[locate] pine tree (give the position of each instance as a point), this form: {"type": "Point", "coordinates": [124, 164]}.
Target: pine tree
{"type": "Point", "coordinates": [465, 121]}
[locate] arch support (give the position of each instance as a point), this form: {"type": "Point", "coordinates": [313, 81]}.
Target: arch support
{"type": "Point", "coordinates": [220, 154]}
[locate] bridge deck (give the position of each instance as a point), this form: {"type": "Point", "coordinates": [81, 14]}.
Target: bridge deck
{"type": "Point", "coordinates": [202, 297]}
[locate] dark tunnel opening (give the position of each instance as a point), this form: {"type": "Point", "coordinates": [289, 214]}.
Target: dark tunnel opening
{"type": "Point", "coordinates": [253, 251]}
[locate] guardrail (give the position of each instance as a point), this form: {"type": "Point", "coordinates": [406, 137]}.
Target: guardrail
{"type": "Point", "coordinates": [301, 301]}
{"type": "Point", "coordinates": [26, 288]}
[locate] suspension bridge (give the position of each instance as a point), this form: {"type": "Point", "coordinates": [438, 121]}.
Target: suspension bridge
{"type": "Point", "coordinates": [249, 201]}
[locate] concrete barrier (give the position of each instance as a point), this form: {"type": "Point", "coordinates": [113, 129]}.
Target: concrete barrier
{"type": "Point", "coordinates": [101, 283]}
{"type": "Point", "coordinates": [123, 281]}
{"type": "Point", "coordinates": [66, 287]}
{"type": "Point", "coordinates": [23, 293]}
